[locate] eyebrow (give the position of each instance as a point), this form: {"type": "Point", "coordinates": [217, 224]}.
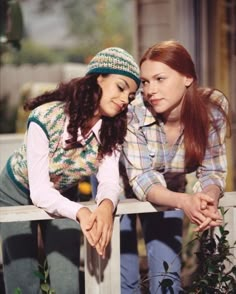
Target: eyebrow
{"type": "Point", "coordinates": [154, 76]}
{"type": "Point", "coordinates": [127, 85]}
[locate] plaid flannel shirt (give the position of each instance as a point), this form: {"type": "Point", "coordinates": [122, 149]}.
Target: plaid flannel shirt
{"type": "Point", "coordinates": [149, 160]}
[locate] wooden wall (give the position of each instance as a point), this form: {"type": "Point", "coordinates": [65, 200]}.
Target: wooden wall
{"type": "Point", "coordinates": [159, 20]}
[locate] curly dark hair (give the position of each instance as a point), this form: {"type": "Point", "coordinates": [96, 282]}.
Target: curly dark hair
{"type": "Point", "coordinates": [82, 97]}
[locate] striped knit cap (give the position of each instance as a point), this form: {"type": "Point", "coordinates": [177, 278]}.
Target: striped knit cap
{"type": "Point", "coordinates": [114, 60]}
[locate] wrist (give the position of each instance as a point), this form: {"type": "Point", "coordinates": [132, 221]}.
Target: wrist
{"type": "Point", "coordinates": [82, 213]}
{"type": "Point", "coordinates": [180, 200]}
{"type": "Point", "coordinates": [107, 204]}
{"type": "Point", "coordinates": [213, 191]}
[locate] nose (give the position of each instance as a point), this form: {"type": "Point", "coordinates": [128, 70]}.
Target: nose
{"type": "Point", "coordinates": [124, 98]}
{"type": "Point", "coordinates": [152, 88]}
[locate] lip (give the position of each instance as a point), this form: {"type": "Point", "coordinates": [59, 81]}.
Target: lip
{"type": "Point", "coordinates": [118, 106]}
{"type": "Point", "coordinates": [155, 101]}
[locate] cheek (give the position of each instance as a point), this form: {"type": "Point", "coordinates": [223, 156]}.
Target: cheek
{"type": "Point", "coordinates": [145, 90]}
{"type": "Point", "coordinates": [179, 88]}
{"type": "Point", "coordinates": [102, 103]}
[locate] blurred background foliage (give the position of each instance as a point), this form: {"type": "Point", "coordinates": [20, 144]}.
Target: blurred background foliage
{"type": "Point", "coordinates": [93, 25]}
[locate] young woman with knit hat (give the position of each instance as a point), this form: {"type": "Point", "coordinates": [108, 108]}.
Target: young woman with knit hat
{"type": "Point", "coordinates": [73, 131]}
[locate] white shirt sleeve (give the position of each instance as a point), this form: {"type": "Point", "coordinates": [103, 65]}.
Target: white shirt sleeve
{"type": "Point", "coordinates": [108, 179]}
{"type": "Point", "coordinates": [42, 191]}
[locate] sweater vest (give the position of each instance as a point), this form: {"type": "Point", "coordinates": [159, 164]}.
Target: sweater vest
{"type": "Point", "coordinates": [66, 167]}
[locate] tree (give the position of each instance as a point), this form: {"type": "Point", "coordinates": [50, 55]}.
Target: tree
{"type": "Point", "coordinates": [96, 23]}
{"type": "Point", "coordinates": [11, 23]}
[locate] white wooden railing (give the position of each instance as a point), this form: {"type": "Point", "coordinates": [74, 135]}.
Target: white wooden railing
{"type": "Point", "coordinates": [102, 276]}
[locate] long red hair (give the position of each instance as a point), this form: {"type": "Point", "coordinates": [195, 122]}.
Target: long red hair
{"type": "Point", "coordinates": [196, 110]}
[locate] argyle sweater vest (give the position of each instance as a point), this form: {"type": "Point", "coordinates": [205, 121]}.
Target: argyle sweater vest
{"type": "Point", "coordinates": [66, 167]}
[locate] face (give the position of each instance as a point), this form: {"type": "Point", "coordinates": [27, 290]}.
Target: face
{"type": "Point", "coordinates": [117, 92]}
{"type": "Point", "coordinates": [163, 87]}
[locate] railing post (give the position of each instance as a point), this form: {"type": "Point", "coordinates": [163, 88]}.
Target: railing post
{"type": "Point", "coordinates": [229, 205]}
{"type": "Point", "coordinates": [230, 220]}
{"type": "Point", "coordinates": [103, 275]}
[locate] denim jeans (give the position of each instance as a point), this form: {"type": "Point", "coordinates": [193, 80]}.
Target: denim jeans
{"type": "Point", "coordinates": [163, 237]}
{"type": "Point", "coordinates": [162, 234]}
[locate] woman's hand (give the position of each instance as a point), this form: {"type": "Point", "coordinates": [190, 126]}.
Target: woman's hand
{"type": "Point", "coordinates": [201, 210]}
{"type": "Point", "coordinates": [97, 225]}
{"type": "Point", "coordinates": [102, 218]}
{"type": "Point", "coordinates": [85, 218]}
{"type": "Point", "coordinates": [209, 209]}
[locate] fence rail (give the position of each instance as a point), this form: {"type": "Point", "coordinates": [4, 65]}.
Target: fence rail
{"type": "Point", "coordinates": [103, 275]}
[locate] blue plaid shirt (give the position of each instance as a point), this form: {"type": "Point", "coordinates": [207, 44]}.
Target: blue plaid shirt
{"type": "Point", "coordinates": [149, 159]}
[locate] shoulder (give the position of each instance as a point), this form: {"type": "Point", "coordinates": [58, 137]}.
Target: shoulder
{"type": "Point", "coordinates": [220, 100]}
{"type": "Point", "coordinates": [49, 107]}
{"type": "Point", "coordinates": [48, 116]}
{"type": "Point", "coordinates": [48, 110]}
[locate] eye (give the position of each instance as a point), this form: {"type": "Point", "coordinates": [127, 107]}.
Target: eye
{"type": "Point", "coordinates": [144, 83]}
{"type": "Point", "coordinates": [159, 79]}
{"type": "Point", "coordinates": [121, 88]}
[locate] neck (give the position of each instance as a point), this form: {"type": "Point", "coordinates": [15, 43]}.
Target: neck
{"type": "Point", "coordinates": [172, 118]}
{"type": "Point", "coordinates": [90, 125]}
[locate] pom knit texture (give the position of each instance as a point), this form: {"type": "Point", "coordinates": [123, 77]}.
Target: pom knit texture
{"type": "Point", "coordinates": [114, 60]}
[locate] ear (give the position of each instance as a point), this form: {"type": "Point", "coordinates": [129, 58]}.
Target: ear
{"type": "Point", "coordinates": [188, 81]}
{"type": "Point", "coordinates": [99, 79]}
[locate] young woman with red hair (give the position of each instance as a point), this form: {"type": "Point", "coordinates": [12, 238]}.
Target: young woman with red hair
{"type": "Point", "coordinates": [176, 129]}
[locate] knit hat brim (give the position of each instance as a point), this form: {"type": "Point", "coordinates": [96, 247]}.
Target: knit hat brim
{"type": "Point", "coordinates": [114, 60]}
{"type": "Point", "coordinates": [115, 71]}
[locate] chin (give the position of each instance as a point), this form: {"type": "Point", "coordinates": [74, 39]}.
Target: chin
{"type": "Point", "coordinates": [158, 109]}
{"type": "Point", "coordinates": [110, 115]}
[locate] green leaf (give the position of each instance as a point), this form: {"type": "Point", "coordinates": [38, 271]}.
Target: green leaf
{"type": "Point", "coordinates": [166, 266]}
{"type": "Point", "coordinates": [17, 291]}
{"type": "Point", "coordinates": [39, 275]}
{"type": "Point", "coordinates": [166, 283]}
{"type": "Point", "coordinates": [205, 282]}
{"type": "Point", "coordinates": [234, 269]}
{"type": "Point", "coordinates": [14, 21]}
{"type": "Point", "coordinates": [46, 274]}
{"type": "Point", "coordinates": [45, 287]}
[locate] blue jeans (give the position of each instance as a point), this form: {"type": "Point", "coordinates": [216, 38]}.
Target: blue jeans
{"type": "Point", "coordinates": [163, 238]}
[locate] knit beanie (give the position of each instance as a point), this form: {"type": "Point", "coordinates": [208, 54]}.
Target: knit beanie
{"type": "Point", "coordinates": [114, 60]}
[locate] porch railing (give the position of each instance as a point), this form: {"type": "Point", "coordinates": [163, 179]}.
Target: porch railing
{"type": "Point", "coordinates": [102, 276]}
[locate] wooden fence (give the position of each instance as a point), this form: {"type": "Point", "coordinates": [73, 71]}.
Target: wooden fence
{"type": "Point", "coordinates": [102, 276]}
